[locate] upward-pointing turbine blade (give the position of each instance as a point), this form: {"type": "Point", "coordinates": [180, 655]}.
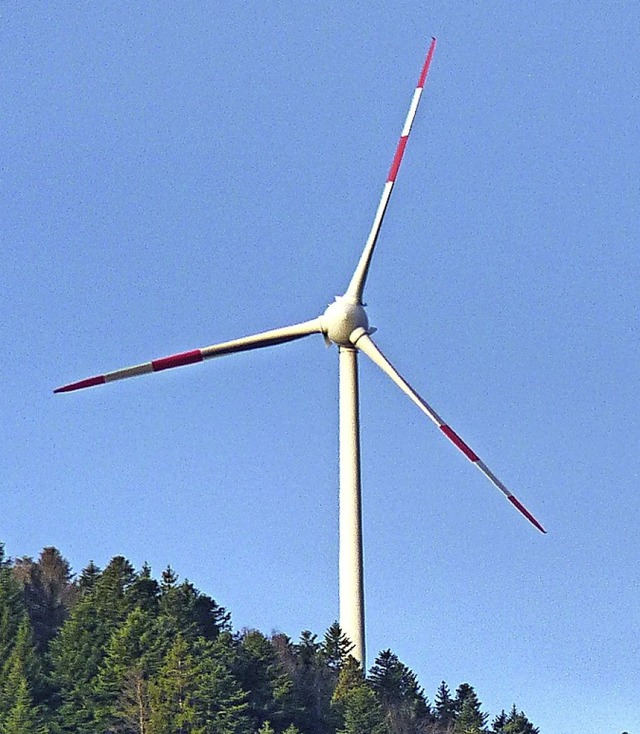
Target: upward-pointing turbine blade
{"type": "Point", "coordinates": [256, 341]}
{"type": "Point", "coordinates": [363, 341]}
{"type": "Point", "coordinates": [356, 286]}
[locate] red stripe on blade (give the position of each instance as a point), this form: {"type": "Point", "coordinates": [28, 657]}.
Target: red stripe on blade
{"type": "Point", "coordinates": [427, 63]}
{"type": "Point", "coordinates": [397, 159]}
{"type": "Point", "coordinates": [454, 438]}
{"type": "Point", "coordinates": [516, 503]}
{"type": "Point", "coordinates": [177, 360]}
{"type": "Point", "coordinates": [89, 382]}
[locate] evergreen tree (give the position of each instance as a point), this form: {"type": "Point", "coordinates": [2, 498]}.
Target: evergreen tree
{"type": "Point", "coordinates": [517, 723]}
{"type": "Point", "coordinates": [362, 712]}
{"type": "Point", "coordinates": [469, 718]}
{"type": "Point", "coordinates": [349, 678]}
{"type": "Point", "coordinates": [23, 663]}
{"type": "Point", "coordinates": [221, 704]}
{"type": "Point", "coordinates": [144, 591]}
{"type": "Point", "coordinates": [133, 653]}
{"type": "Point", "coordinates": [445, 708]}
{"type": "Point", "coordinates": [12, 610]}
{"type": "Point", "coordinates": [499, 722]}
{"type": "Point", "coordinates": [262, 674]}
{"type": "Point", "coordinates": [79, 649]}
{"type": "Point", "coordinates": [336, 647]}
{"type": "Point", "coordinates": [22, 717]}
{"type": "Point", "coordinates": [403, 702]}
{"type": "Point", "coordinates": [313, 684]}
{"type": "Point", "coordinates": [16, 654]}
{"type": "Point", "coordinates": [171, 692]}
{"type": "Point", "coordinates": [186, 611]}
{"type": "Point", "coordinates": [88, 578]}
{"type": "Point", "coordinates": [127, 654]}
{"type": "Point", "coordinates": [48, 592]}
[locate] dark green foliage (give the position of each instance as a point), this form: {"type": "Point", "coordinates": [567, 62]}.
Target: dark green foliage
{"type": "Point", "coordinates": [363, 713]}
{"type": "Point", "coordinates": [336, 647]}
{"type": "Point", "coordinates": [403, 702]}
{"type": "Point", "coordinates": [517, 723]}
{"type": "Point", "coordinates": [222, 706]}
{"type": "Point", "coordinates": [349, 678]}
{"type": "Point", "coordinates": [118, 652]}
{"type": "Point", "coordinates": [48, 593]}
{"type": "Point", "coordinates": [133, 652]}
{"type": "Point", "coordinates": [22, 717]}
{"type": "Point", "coordinates": [262, 674]}
{"type": "Point", "coordinates": [314, 681]}
{"type": "Point", "coordinates": [144, 592]}
{"type": "Point", "coordinates": [498, 724]}
{"type": "Point", "coordinates": [88, 578]}
{"type": "Point", "coordinates": [80, 647]}
{"type": "Point", "coordinates": [469, 719]}
{"type": "Point", "coordinates": [186, 611]}
{"type": "Point", "coordinates": [12, 611]}
{"type": "Point", "coordinates": [194, 691]}
{"type": "Point", "coordinates": [445, 708]}
{"type": "Point", "coordinates": [20, 666]}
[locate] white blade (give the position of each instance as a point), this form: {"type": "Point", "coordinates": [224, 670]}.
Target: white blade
{"type": "Point", "coordinates": [356, 286]}
{"type": "Point", "coordinates": [363, 341]}
{"type": "Point", "coordinates": [256, 341]}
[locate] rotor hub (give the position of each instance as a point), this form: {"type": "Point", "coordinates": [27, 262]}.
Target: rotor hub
{"type": "Point", "coordinates": [341, 319]}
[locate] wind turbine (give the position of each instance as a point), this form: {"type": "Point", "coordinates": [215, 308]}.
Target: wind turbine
{"type": "Point", "coordinates": [345, 324]}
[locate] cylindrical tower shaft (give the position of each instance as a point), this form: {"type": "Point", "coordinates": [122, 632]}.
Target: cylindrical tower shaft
{"type": "Point", "coordinates": [350, 562]}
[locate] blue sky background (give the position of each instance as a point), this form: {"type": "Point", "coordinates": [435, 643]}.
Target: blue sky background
{"type": "Point", "coordinates": [174, 175]}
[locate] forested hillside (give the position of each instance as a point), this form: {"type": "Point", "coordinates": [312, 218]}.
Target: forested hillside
{"type": "Point", "coordinates": [117, 651]}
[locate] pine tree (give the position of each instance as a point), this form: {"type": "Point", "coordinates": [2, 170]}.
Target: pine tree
{"type": "Point", "coordinates": [220, 703]}
{"type": "Point", "coordinates": [445, 708]}
{"type": "Point", "coordinates": [186, 611]}
{"type": "Point", "coordinates": [23, 663]}
{"type": "Point", "coordinates": [269, 686]}
{"type": "Point", "coordinates": [144, 591]}
{"type": "Point", "coordinates": [517, 723]}
{"type": "Point", "coordinates": [362, 712]}
{"type": "Point", "coordinates": [48, 593]}
{"type": "Point", "coordinates": [403, 702]}
{"type": "Point", "coordinates": [499, 722]}
{"type": "Point", "coordinates": [22, 717]}
{"type": "Point", "coordinates": [15, 635]}
{"type": "Point", "coordinates": [349, 678]}
{"type": "Point", "coordinates": [133, 653]}
{"type": "Point", "coordinates": [336, 647]}
{"type": "Point", "coordinates": [79, 649]}
{"type": "Point", "coordinates": [12, 609]}
{"type": "Point", "coordinates": [313, 684]}
{"type": "Point", "coordinates": [469, 719]}
{"type": "Point", "coordinates": [88, 578]}
{"type": "Point", "coordinates": [171, 692]}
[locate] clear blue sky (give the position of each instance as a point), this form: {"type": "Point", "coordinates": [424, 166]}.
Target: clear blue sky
{"type": "Point", "coordinates": [174, 175]}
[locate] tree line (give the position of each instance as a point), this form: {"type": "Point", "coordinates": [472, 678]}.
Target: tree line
{"type": "Point", "coordinates": [115, 651]}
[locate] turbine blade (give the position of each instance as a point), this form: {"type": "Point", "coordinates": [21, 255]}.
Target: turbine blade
{"type": "Point", "coordinates": [363, 341]}
{"type": "Point", "coordinates": [356, 286]}
{"type": "Point", "coordinates": [255, 341]}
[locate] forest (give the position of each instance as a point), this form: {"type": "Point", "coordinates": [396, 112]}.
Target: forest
{"type": "Point", "coordinates": [115, 651]}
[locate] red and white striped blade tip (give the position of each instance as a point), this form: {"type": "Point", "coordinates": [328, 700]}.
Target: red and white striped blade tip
{"type": "Point", "coordinates": [519, 506]}
{"type": "Point", "coordinates": [475, 459]}
{"type": "Point", "coordinates": [89, 382]}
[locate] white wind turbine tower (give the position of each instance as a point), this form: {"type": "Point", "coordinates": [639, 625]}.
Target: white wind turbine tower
{"type": "Point", "coordinates": [345, 324]}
